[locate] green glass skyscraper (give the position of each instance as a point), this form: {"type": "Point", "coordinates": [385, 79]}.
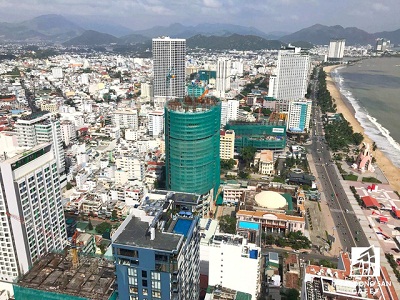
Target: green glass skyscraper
{"type": "Point", "coordinates": [192, 145]}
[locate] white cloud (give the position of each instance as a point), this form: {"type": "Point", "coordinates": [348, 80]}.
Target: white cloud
{"type": "Point", "coordinates": [380, 7]}
{"type": "Point", "coordinates": [212, 3]}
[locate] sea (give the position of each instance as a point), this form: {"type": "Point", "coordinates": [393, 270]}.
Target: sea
{"type": "Point", "coordinates": [372, 87]}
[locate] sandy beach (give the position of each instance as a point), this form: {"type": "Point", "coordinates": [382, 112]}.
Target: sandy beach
{"type": "Point", "coordinates": [391, 172]}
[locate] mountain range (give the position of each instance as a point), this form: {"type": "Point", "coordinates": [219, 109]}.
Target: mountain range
{"type": "Point", "coordinates": [58, 29]}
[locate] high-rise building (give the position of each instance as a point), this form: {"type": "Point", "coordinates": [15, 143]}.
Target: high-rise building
{"type": "Point", "coordinates": [336, 49]}
{"type": "Point", "coordinates": [227, 144]}
{"type": "Point", "coordinates": [42, 127]}
{"type": "Point", "coordinates": [157, 259]}
{"type": "Point", "coordinates": [299, 116]}
{"type": "Point", "coordinates": [381, 45]}
{"type": "Point", "coordinates": [146, 90]}
{"type": "Point", "coordinates": [156, 122]}
{"type": "Point", "coordinates": [169, 67]}
{"type": "Point", "coordinates": [132, 165]}
{"type": "Point", "coordinates": [223, 80]}
{"type": "Point", "coordinates": [30, 207]}
{"type": "Point", "coordinates": [290, 83]}
{"type": "Point", "coordinates": [192, 145]}
{"type": "Point", "coordinates": [229, 111]}
{"type": "Point", "coordinates": [68, 132]}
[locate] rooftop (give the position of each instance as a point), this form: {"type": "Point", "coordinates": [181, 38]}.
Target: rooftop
{"type": "Point", "coordinates": [135, 232]}
{"type": "Point", "coordinates": [192, 104]}
{"type": "Point", "coordinates": [93, 279]}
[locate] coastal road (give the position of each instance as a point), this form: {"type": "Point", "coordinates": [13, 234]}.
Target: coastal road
{"type": "Point", "coordinates": [347, 227]}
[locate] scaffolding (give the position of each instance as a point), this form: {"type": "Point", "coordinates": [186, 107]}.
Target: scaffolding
{"type": "Point", "coordinates": [192, 144]}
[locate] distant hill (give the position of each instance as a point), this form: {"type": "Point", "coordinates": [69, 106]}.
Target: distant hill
{"type": "Point", "coordinates": [207, 29]}
{"type": "Point", "coordinates": [320, 35]}
{"type": "Point", "coordinates": [234, 41]}
{"type": "Point", "coordinates": [53, 28]}
{"type": "Point", "coordinates": [97, 23]}
{"type": "Point", "coordinates": [133, 39]}
{"type": "Point", "coordinates": [393, 36]}
{"type": "Point", "coordinates": [92, 38]}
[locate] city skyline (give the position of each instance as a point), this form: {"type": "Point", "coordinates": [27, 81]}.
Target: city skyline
{"type": "Point", "coordinates": [267, 16]}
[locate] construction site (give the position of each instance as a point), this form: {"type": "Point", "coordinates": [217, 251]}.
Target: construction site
{"type": "Point", "coordinates": [192, 134]}
{"type": "Point", "coordinates": [57, 276]}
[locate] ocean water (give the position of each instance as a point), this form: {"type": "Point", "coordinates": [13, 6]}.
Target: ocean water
{"type": "Point", "coordinates": [372, 86]}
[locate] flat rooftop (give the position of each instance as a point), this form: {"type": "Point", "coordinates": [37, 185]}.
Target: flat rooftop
{"type": "Point", "coordinates": [92, 279]}
{"type": "Point", "coordinates": [180, 198]}
{"type": "Point", "coordinates": [136, 233]}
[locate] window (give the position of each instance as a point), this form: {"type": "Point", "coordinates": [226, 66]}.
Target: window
{"type": "Point", "coordinates": [145, 292]}
{"type": "Point", "coordinates": [144, 282]}
{"type": "Point", "coordinates": [144, 274]}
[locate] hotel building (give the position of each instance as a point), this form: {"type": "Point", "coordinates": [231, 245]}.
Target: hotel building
{"type": "Point", "coordinates": [31, 211]}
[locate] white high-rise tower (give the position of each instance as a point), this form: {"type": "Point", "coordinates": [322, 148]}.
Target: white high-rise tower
{"type": "Point", "coordinates": [223, 80]}
{"type": "Point", "coordinates": [290, 82]}
{"type": "Point", "coordinates": [336, 49]}
{"type": "Point", "coordinates": [169, 67]}
{"type": "Point", "coordinates": [42, 127]}
{"type": "Point", "coordinates": [31, 210]}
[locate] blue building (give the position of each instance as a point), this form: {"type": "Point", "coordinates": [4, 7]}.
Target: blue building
{"type": "Point", "coordinates": [160, 260]}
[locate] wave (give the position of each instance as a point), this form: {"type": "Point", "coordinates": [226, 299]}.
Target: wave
{"type": "Point", "coordinates": [376, 131]}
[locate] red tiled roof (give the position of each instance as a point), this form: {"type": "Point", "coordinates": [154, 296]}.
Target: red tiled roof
{"type": "Point", "coordinates": [370, 201]}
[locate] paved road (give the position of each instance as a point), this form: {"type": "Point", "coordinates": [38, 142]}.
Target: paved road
{"type": "Point", "coordinates": [347, 226]}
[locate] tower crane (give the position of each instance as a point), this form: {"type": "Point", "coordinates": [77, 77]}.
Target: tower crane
{"type": "Point", "coordinates": [74, 250]}
{"type": "Point", "coordinates": [170, 75]}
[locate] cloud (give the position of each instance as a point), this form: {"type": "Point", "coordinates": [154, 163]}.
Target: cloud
{"type": "Point", "coordinates": [380, 7]}
{"type": "Point", "coordinates": [212, 3]}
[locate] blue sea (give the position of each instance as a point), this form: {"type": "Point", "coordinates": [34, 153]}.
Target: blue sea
{"type": "Point", "coordinates": [372, 87]}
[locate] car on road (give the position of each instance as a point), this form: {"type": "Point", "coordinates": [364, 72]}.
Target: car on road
{"type": "Point", "coordinates": [397, 228]}
{"type": "Point", "coordinates": [398, 261]}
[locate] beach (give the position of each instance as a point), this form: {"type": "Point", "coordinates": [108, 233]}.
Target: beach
{"type": "Point", "coordinates": [391, 172]}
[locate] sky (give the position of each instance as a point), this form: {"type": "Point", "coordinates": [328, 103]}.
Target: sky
{"type": "Point", "coordinates": [266, 15]}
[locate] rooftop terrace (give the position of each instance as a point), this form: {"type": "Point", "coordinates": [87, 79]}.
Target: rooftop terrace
{"type": "Point", "coordinates": [93, 279]}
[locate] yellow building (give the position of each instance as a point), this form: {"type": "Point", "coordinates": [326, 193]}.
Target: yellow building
{"type": "Point", "coordinates": [265, 162]}
{"type": "Point", "coordinates": [51, 107]}
{"type": "Point", "coordinates": [227, 144]}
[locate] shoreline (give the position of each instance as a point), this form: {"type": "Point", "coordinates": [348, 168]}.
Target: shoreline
{"type": "Point", "coordinates": [343, 106]}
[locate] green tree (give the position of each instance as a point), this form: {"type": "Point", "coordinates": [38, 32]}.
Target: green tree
{"type": "Point", "coordinates": [114, 214]}
{"type": "Point", "coordinates": [357, 138]}
{"type": "Point", "coordinates": [103, 248]}
{"type": "Point", "coordinates": [68, 186]}
{"type": "Point", "coordinates": [103, 227]}
{"type": "Point", "coordinates": [269, 239]}
{"type": "Point", "coordinates": [246, 108]}
{"type": "Point", "coordinates": [90, 225]}
{"type": "Point", "coordinates": [227, 224]}
{"type": "Point", "coordinates": [292, 294]}
{"type": "Point", "coordinates": [247, 153]}
{"type": "Point", "coordinates": [244, 175]}
{"type": "Point", "coordinates": [227, 164]}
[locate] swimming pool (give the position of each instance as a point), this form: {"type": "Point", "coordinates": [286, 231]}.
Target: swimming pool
{"type": "Point", "coordinates": [182, 226]}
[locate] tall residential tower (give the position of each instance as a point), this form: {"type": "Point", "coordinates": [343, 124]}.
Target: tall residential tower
{"type": "Point", "coordinates": [336, 49]}
{"type": "Point", "coordinates": [169, 67]}
{"type": "Point", "coordinates": [290, 82]}
{"type": "Point", "coordinates": [31, 211]}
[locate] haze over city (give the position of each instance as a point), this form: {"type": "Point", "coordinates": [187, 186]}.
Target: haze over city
{"type": "Point", "coordinates": [281, 15]}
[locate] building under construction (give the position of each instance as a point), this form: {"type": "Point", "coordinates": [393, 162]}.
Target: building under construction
{"type": "Point", "coordinates": [269, 134]}
{"type": "Point", "coordinates": [192, 144]}
{"type": "Point", "coordinates": [55, 277]}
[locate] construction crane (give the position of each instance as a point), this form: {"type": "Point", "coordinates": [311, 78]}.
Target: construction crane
{"type": "Point", "coordinates": [200, 99]}
{"type": "Point", "coordinates": [74, 250]}
{"type": "Point", "coordinates": [170, 75]}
